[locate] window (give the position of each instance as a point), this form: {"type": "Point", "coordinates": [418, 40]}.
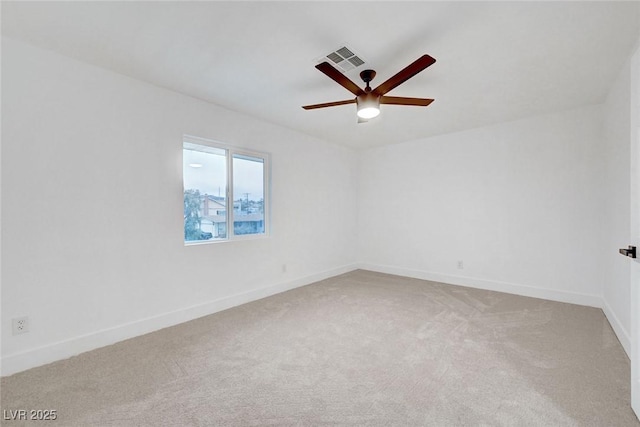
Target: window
{"type": "Point", "coordinates": [223, 186]}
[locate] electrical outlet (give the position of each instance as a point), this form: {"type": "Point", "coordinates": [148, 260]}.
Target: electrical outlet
{"type": "Point", "coordinates": [20, 325]}
{"type": "Point", "coordinates": [284, 268]}
{"type": "Point", "coordinates": [460, 265]}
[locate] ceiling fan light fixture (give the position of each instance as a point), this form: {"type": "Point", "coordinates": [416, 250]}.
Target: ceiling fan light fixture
{"type": "Point", "coordinates": [368, 113]}
{"type": "Point", "coordinates": [368, 106]}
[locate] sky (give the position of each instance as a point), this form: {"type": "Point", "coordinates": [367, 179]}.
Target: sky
{"type": "Point", "coordinates": [210, 178]}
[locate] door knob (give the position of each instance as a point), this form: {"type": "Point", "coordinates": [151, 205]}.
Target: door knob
{"type": "Point", "coordinates": [631, 252]}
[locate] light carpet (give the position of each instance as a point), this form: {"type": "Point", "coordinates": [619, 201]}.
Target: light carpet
{"type": "Point", "coordinates": [362, 348]}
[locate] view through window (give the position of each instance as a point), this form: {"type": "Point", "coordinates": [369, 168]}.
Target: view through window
{"type": "Point", "coordinates": [223, 186]}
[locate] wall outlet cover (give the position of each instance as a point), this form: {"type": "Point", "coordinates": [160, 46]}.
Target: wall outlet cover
{"type": "Point", "coordinates": [20, 325]}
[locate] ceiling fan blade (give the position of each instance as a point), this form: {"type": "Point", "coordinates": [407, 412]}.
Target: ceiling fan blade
{"type": "Point", "coordinates": [329, 104]}
{"type": "Point", "coordinates": [340, 78]}
{"type": "Point", "coordinates": [405, 74]}
{"type": "Point", "coordinates": [401, 100]}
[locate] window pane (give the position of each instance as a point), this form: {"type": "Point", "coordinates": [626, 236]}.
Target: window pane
{"type": "Point", "coordinates": [248, 194]}
{"type": "Point", "coordinates": [205, 188]}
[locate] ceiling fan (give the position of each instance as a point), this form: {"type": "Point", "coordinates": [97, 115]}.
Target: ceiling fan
{"type": "Point", "coordinates": [368, 100]}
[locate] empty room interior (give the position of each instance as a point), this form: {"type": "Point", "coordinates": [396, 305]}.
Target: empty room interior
{"type": "Point", "coordinates": [320, 213]}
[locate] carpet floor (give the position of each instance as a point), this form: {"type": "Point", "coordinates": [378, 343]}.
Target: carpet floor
{"type": "Point", "coordinates": [362, 348]}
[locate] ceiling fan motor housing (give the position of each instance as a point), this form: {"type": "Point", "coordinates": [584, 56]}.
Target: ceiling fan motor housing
{"type": "Point", "coordinates": [368, 105]}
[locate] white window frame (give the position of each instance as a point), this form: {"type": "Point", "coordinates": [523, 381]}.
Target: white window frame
{"type": "Point", "coordinates": [230, 151]}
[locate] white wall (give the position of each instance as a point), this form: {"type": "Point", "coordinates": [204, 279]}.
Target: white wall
{"type": "Point", "coordinates": [92, 246]}
{"type": "Point", "coordinates": [519, 203]}
{"type": "Point", "coordinates": [616, 221]}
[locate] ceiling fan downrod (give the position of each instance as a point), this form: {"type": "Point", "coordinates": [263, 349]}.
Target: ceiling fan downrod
{"type": "Point", "coordinates": [367, 76]}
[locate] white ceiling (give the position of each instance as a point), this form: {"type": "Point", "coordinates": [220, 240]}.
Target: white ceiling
{"type": "Point", "coordinates": [496, 61]}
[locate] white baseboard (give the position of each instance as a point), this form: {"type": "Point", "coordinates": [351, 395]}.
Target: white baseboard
{"type": "Point", "coordinates": [616, 325]}
{"type": "Point", "coordinates": [32, 358]}
{"type": "Point", "coordinates": [491, 285]}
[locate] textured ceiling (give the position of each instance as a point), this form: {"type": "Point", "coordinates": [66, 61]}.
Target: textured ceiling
{"type": "Point", "coordinates": [496, 61]}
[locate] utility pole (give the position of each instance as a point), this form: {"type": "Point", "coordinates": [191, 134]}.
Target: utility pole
{"type": "Point", "coordinates": [246, 195]}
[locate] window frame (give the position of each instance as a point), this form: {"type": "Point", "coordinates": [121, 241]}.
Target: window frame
{"type": "Point", "coordinates": [230, 151]}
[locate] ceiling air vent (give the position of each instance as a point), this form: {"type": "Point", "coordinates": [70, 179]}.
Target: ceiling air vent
{"type": "Point", "coordinates": [356, 61]}
{"type": "Point", "coordinates": [343, 59]}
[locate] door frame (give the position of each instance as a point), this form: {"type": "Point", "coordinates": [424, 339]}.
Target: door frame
{"type": "Point", "coordinates": [634, 231]}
